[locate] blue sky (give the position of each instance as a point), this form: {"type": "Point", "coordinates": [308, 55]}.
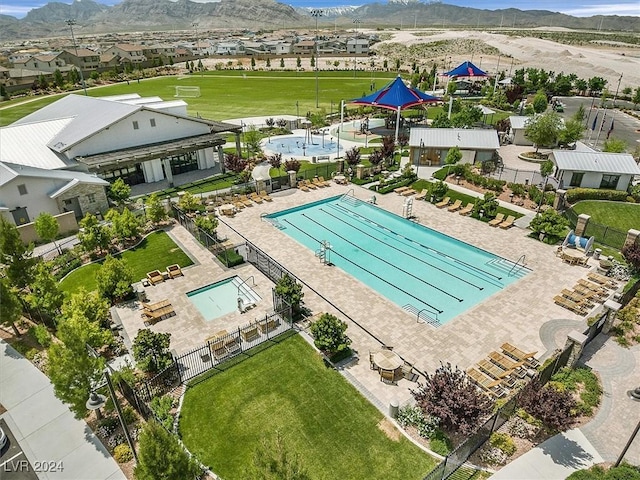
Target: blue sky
{"type": "Point", "coordinates": [578, 8]}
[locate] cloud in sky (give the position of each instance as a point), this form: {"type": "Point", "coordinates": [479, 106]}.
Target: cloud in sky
{"type": "Point", "coordinates": [630, 9]}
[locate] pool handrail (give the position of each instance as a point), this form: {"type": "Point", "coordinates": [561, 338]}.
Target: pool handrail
{"type": "Point", "coordinates": [245, 281]}
{"type": "Point", "coordinates": [523, 257]}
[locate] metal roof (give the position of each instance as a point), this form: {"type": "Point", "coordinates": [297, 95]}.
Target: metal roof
{"type": "Point", "coordinates": [621, 163]}
{"type": "Point", "coordinates": [465, 138]}
{"type": "Point", "coordinates": [519, 121]}
{"type": "Point", "coordinates": [26, 144]}
{"type": "Point", "coordinates": [9, 171]}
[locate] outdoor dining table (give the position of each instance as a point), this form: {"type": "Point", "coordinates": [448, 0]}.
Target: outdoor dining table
{"type": "Point", "coordinates": [227, 208]}
{"type": "Point", "coordinates": [387, 360]}
{"type": "Point", "coordinates": [340, 179]}
{"type": "Point", "coordinates": [572, 254]}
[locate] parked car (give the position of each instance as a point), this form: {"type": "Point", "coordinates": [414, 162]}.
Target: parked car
{"type": "Point", "coordinates": [3, 438]}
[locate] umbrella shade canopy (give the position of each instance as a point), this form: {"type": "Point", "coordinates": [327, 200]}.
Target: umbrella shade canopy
{"type": "Point", "coordinates": [466, 69]}
{"type": "Point", "coordinates": [396, 95]}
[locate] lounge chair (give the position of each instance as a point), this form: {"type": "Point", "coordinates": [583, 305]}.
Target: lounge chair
{"type": "Point", "coordinates": [602, 280]}
{"type": "Point", "coordinates": [400, 189]}
{"type": "Point", "coordinates": [254, 197]}
{"type": "Point", "coordinates": [152, 307]}
{"type": "Point", "coordinates": [302, 185]}
{"type": "Point", "coordinates": [408, 193]}
{"type": "Point", "coordinates": [326, 182]}
{"type": "Point", "coordinates": [174, 271]}
{"type": "Point", "coordinates": [467, 209]}
{"type": "Point", "coordinates": [578, 297]}
{"type": "Point", "coordinates": [445, 201]}
{"type": "Point", "coordinates": [318, 182]}
{"type": "Point", "coordinates": [594, 287]}
{"type": "Point", "coordinates": [508, 223]}
{"type": "Point", "coordinates": [457, 205]}
{"type": "Point", "coordinates": [311, 185]}
{"type": "Point", "coordinates": [486, 383]}
{"type": "Point", "coordinates": [575, 307]}
{"type": "Point", "coordinates": [157, 315]}
{"type": "Point", "coordinates": [514, 352]}
{"type": "Point", "coordinates": [600, 295]}
{"type": "Point", "coordinates": [497, 221]}
{"type": "Point", "coordinates": [422, 195]}
{"type": "Point", "coordinates": [265, 196]}
{"type": "Point", "coordinates": [245, 200]}
{"type": "Point", "coordinates": [508, 363]}
{"type": "Point", "coordinates": [155, 277]}
{"type": "Point", "coordinates": [493, 370]}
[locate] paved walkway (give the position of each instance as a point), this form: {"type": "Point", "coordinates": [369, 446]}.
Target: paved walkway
{"type": "Point", "coordinates": [45, 428]}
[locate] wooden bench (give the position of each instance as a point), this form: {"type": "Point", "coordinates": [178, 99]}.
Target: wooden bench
{"type": "Point", "coordinates": [249, 333]}
{"type": "Point", "coordinates": [268, 325]}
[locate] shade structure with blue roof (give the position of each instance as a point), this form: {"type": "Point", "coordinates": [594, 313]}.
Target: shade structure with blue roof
{"type": "Point", "coordinates": [466, 69]}
{"type": "Point", "coordinates": [396, 96]}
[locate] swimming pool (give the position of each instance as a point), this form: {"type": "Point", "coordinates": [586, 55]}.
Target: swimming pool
{"type": "Point", "coordinates": [420, 269]}
{"type": "Point", "coordinates": [220, 298]}
{"type": "Point", "coordinates": [297, 145]}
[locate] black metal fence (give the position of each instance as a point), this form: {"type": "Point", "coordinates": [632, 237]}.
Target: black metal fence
{"type": "Point", "coordinates": [604, 234]}
{"type": "Point", "coordinates": [267, 265]}
{"type": "Point", "coordinates": [523, 177]}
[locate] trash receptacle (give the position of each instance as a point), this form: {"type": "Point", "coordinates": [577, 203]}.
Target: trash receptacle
{"type": "Point", "coordinates": [596, 253]}
{"type": "Point", "coordinates": [393, 408]}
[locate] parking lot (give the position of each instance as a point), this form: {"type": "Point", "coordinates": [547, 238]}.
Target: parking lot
{"type": "Point", "coordinates": [13, 462]}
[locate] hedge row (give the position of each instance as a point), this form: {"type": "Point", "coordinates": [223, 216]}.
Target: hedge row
{"type": "Point", "coordinates": [464, 170]}
{"type": "Point", "coordinates": [389, 188]}
{"type": "Point", "coordinates": [576, 194]}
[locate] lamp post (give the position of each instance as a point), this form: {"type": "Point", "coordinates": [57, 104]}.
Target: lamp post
{"type": "Point", "coordinates": [95, 403]}
{"type": "Point", "coordinates": [316, 13]}
{"type": "Point", "coordinates": [195, 27]}
{"type": "Point", "coordinates": [356, 22]}
{"type": "Point", "coordinates": [71, 22]}
{"type": "Point", "coordinates": [615, 97]}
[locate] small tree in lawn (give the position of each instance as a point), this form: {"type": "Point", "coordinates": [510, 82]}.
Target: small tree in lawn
{"type": "Point", "coordinates": [543, 129]}
{"type": "Point", "coordinates": [114, 279]}
{"type": "Point", "coordinates": [329, 334]}
{"type": "Point", "coordinates": [119, 192]}
{"type": "Point", "coordinates": [291, 292]}
{"type": "Point", "coordinates": [449, 395]}
{"type": "Point", "coordinates": [151, 350]}
{"type": "Point", "coordinates": [555, 409]}
{"type": "Point", "coordinates": [454, 155]}
{"type": "Point", "coordinates": [292, 165]}
{"type": "Point", "coordinates": [47, 228]}
{"type": "Point", "coordinates": [154, 209]}
{"type": "Point", "coordinates": [275, 160]}
{"type": "Point", "coordinates": [234, 162]}
{"type": "Point", "coordinates": [92, 234]}
{"type": "Point", "coordinates": [160, 456]}
{"type": "Point", "coordinates": [45, 294]}
{"type": "Point", "coordinates": [352, 156]}
{"type": "Point", "coordinates": [189, 202]}
{"type": "Point", "coordinates": [10, 306]}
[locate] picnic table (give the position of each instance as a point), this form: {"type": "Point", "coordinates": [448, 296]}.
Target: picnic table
{"type": "Point", "coordinates": [387, 360]}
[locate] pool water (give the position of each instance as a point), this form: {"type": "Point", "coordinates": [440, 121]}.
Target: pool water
{"type": "Point", "coordinates": [221, 298]}
{"type": "Point", "coordinates": [419, 269]}
{"type": "Point", "coordinates": [301, 146]}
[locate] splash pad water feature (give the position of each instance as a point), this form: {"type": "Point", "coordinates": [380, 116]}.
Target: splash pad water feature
{"type": "Point", "coordinates": [312, 145]}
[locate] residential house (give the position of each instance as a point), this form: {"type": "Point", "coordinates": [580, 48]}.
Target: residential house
{"type": "Point", "coordinates": [85, 59]}
{"type": "Point", "coordinates": [159, 53]}
{"type": "Point", "coordinates": [42, 62]}
{"type": "Point", "coordinates": [229, 48]}
{"type": "Point", "coordinates": [357, 46]}
{"type": "Point", "coordinates": [429, 146]}
{"type": "Point", "coordinates": [59, 158]}
{"type": "Point", "coordinates": [303, 47]}
{"type": "Point", "coordinates": [612, 171]}
{"type": "Point", "coordinates": [127, 52]}
{"type": "Point", "coordinates": [518, 125]}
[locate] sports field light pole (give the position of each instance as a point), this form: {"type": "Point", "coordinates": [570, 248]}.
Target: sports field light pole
{"type": "Point", "coordinates": [71, 22]}
{"type": "Point", "coordinates": [316, 12]}
{"type": "Point", "coordinates": [356, 22]}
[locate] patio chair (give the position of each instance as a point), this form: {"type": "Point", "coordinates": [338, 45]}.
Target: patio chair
{"type": "Point", "coordinates": [457, 205]}
{"type": "Point", "coordinates": [302, 185]}
{"type": "Point", "coordinates": [250, 333]}
{"type": "Point", "coordinates": [388, 376]}
{"type": "Point", "coordinates": [445, 201]}
{"type": "Point", "coordinates": [152, 307]}
{"type": "Point", "coordinates": [254, 197]}
{"type": "Point", "coordinates": [514, 352]}
{"type": "Point", "coordinates": [408, 193]}
{"type": "Point", "coordinates": [319, 183]}
{"type": "Point", "coordinates": [372, 364]}
{"type": "Point", "coordinates": [577, 308]}
{"type": "Point", "coordinates": [467, 209]}
{"type": "Point", "coordinates": [387, 347]}
{"type": "Point", "coordinates": [602, 280]}
{"type": "Point", "coordinates": [265, 196]}
{"type": "Point", "coordinates": [219, 351]}
{"type": "Point", "coordinates": [508, 363]}
{"type": "Point", "coordinates": [578, 297]}
{"type": "Point", "coordinates": [155, 277]}
{"type": "Point", "coordinates": [508, 223]}
{"type": "Point", "coordinates": [408, 372]}
{"type": "Point", "coordinates": [422, 195]}
{"type": "Point", "coordinates": [245, 200]}
{"type": "Point", "coordinates": [232, 345]}
{"type": "Point", "coordinates": [497, 221]}
{"type": "Point", "coordinates": [157, 315]}
{"type": "Point", "coordinates": [493, 370]}
{"type": "Point", "coordinates": [400, 189]}
{"type": "Point", "coordinates": [174, 271]}
{"type": "Point", "coordinates": [311, 185]}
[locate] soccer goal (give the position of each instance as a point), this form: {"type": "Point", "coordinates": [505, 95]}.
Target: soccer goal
{"type": "Point", "coordinates": [187, 92]}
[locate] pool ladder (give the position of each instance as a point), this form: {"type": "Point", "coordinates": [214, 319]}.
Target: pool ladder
{"type": "Point", "coordinates": [524, 263]}
{"type": "Point", "coordinates": [422, 315]}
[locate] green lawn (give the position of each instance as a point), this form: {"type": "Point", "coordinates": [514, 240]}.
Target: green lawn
{"type": "Point", "coordinates": [288, 388]}
{"type": "Point", "coordinates": [155, 252]}
{"type": "Point", "coordinates": [238, 93]}
{"type": "Point", "coordinates": [618, 215]}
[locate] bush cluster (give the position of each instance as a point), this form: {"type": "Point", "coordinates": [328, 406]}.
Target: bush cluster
{"type": "Point", "coordinates": [230, 258]}
{"type": "Point", "coordinates": [576, 194]}
{"type": "Point", "coordinates": [122, 453]}
{"type": "Point", "coordinates": [414, 417]}
{"type": "Point", "coordinates": [504, 442]}
{"type": "Point", "coordinates": [389, 187]}
{"type": "Point", "coordinates": [464, 171]}
{"type": "Point", "coordinates": [65, 263]}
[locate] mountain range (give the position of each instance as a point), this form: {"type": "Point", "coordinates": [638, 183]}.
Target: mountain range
{"type": "Point", "coordinates": [142, 15]}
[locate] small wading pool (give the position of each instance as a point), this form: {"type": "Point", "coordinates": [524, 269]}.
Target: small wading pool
{"type": "Point", "coordinates": [221, 298]}
{"type": "Point", "coordinates": [298, 145]}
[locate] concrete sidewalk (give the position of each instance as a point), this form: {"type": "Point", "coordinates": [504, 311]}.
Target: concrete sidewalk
{"type": "Point", "coordinates": [45, 428]}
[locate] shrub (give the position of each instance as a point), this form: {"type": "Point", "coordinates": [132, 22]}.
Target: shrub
{"type": "Point", "coordinates": [129, 415]}
{"type": "Point", "coordinates": [122, 453]}
{"type": "Point", "coordinates": [389, 188]}
{"type": "Point", "coordinates": [161, 406]}
{"type": "Point", "coordinates": [42, 335]}
{"type": "Point", "coordinates": [328, 333]}
{"type": "Point", "coordinates": [576, 194]}
{"type": "Point", "coordinates": [551, 223]}
{"type": "Point", "coordinates": [504, 442]}
{"type": "Point", "coordinates": [413, 416]}
{"type": "Point", "coordinates": [555, 409]}
{"type": "Point", "coordinates": [440, 443]}
{"type": "Point", "coordinates": [230, 258]}
{"type": "Point", "coordinates": [583, 380]}
{"type": "Point", "coordinates": [631, 254]}
{"type": "Point", "coordinates": [439, 190]}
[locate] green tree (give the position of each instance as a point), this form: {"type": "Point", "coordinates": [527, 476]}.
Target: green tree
{"type": "Point", "coordinates": [282, 63]}
{"type": "Point", "coordinates": [452, 86]}
{"type": "Point", "coordinates": [124, 225]}
{"type": "Point", "coordinates": [90, 305]}
{"type": "Point", "coordinates": [44, 291]}
{"type": "Point", "coordinates": [312, 63]}
{"type": "Point", "coordinates": [47, 228]}
{"type": "Point", "coordinates": [160, 456]}
{"type": "Point", "coordinates": [439, 190]}
{"type": "Point", "coordinates": [92, 234]}
{"type": "Point", "coordinates": [58, 79]}
{"type": "Point", "coordinates": [272, 460]}
{"type": "Point", "coordinates": [596, 84]}
{"type": "Point", "coordinates": [155, 210]}
{"type": "Point", "coordinates": [329, 334]}
{"type": "Point", "coordinates": [551, 223]}
{"type": "Point", "coordinates": [72, 370]}
{"type": "Point", "coordinates": [454, 155]}
{"type": "Point", "coordinates": [466, 117]}
{"type": "Point", "coordinates": [580, 114]}
{"type": "Point", "coordinates": [543, 130]}
{"type": "Point", "coordinates": [114, 279]}
{"type": "Point", "coordinates": [540, 102]}
{"type": "Point", "coordinates": [252, 139]}
{"type": "Point", "coordinates": [290, 291]}
{"type": "Point", "coordinates": [614, 145]}
{"type": "Point", "coordinates": [15, 255]}
{"type": "Point", "coordinates": [298, 62]}
{"type": "Point", "coordinates": [119, 192]}
{"type": "Point", "coordinates": [571, 133]}
{"type": "Point", "coordinates": [189, 202]}
{"type": "Point", "coordinates": [151, 350]}
{"type": "Point", "coordinates": [200, 65]}
{"type": "Point", "coordinates": [207, 224]}
{"type": "Point", "coordinates": [441, 121]}
{"type": "Point", "coordinates": [4, 95]}
{"type": "Point", "coordinates": [636, 97]}
{"type": "Point", "coordinates": [268, 62]}
{"type": "Point", "coordinates": [253, 63]}
{"type": "Point", "coordinates": [10, 306]}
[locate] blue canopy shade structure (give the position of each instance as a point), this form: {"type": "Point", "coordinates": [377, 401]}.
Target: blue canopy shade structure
{"type": "Point", "coordinates": [466, 69]}
{"type": "Point", "coordinates": [396, 96]}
